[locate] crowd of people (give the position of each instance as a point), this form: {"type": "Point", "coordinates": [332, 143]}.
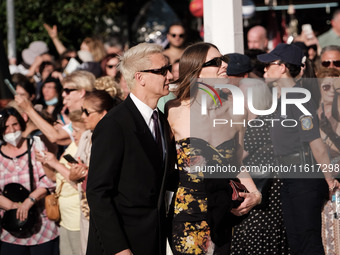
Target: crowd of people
{"type": "Point", "coordinates": [120, 135]}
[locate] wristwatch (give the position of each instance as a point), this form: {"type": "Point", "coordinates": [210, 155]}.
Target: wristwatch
{"type": "Point", "coordinates": [33, 199]}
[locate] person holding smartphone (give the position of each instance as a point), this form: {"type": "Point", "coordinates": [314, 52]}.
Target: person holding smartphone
{"type": "Point", "coordinates": [69, 203]}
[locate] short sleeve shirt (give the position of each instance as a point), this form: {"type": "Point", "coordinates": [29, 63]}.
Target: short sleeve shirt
{"type": "Point", "coordinates": [17, 170]}
{"type": "Point", "coordinates": [291, 131]}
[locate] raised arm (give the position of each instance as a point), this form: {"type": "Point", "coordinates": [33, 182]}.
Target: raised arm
{"type": "Point", "coordinates": [59, 136]}
{"type": "Point", "coordinates": [53, 33]}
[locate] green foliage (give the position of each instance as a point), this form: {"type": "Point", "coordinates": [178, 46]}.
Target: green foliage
{"type": "Point", "coordinates": [75, 19]}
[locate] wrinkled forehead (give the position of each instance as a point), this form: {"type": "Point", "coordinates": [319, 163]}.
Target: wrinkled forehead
{"type": "Point", "coordinates": [330, 55]}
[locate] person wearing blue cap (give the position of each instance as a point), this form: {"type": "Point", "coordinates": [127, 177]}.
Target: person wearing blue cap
{"type": "Point", "coordinates": [299, 147]}
{"type": "Point", "coordinates": [238, 65]}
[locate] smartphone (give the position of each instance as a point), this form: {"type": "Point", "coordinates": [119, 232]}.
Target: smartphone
{"type": "Point", "coordinates": [70, 159]}
{"type": "Point", "coordinates": [39, 145]}
{"type": "Point", "coordinates": [307, 29]}
{"type": "Point", "coordinates": [10, 86]}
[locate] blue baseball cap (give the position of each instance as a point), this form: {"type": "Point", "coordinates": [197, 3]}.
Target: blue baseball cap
{"type": "Point", "coordinates": [287, 53]}
{"type": "Point", "coordinates": [238, 64]}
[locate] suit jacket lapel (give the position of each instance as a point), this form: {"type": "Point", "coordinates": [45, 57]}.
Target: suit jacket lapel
{"type": "Point", "coordinates": [167, 142]}
{"type": "Point", "coordinates": [144, 135]}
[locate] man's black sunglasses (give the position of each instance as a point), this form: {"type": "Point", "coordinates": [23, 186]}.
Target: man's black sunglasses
{"type": "Point", "coordinates": [162, 71]}
{"type": "Point", "coordinates": [68, 91]}
{"type": "Point", "coordinates": [328, 63]}
{"type": "Point", "coordinates": [215, 62]}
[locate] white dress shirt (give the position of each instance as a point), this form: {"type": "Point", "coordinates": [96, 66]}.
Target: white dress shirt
{"type": "Point", "coordinates": [147, 112]}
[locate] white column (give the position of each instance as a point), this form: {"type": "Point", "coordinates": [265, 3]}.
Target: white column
{"type": "Point", "coordinates": [223, 25]}
{"type": "Point", "coordinates": [11, 41]}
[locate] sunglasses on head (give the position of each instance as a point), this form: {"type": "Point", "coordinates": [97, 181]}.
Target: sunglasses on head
{"type": "Point", "coordinates": [68, 91]}
{"type": "Point", "coordinates": [328, 63]}
{"type": "Point", "coordinates": [87, 113]}
{"type": "Point", "coordinates": [215, 62]}
{"type": "Point", "coordinates": [326, 87]}
{"type": "Point", "coordinates": [162, 71]}
{"type": "Point", "coordinates": [179, 35]}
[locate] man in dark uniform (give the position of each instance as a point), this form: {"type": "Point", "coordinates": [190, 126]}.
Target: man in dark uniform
{"type": "Point", "coordinates": [297, 144]}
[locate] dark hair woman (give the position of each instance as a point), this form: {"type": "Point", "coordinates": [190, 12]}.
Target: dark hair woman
{"type": "Point", "coordinates": [15, 153]}
{"type": "Point", "coordinates": [200, 226]}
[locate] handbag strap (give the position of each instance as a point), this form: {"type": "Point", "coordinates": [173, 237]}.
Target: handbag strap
{"type": "Point", "coordinates": [30, 166]}
{"type": "Point", "coordinates": [57, 193]}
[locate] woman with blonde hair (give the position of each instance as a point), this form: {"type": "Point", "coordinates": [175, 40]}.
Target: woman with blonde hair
{"type": "Point", "coordinates": [95, 47]}
{"type": "Point", "coordinates": [108, 84]}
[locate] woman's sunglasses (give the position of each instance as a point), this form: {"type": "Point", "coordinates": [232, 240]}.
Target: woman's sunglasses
{"type": "Point", "coordinates": [111, 66]}
{"type": "Point", "coordinates": [215, 62]}
{"type": "Point", "coordinates": [87, 113]}
{"type": "Point", "coordinates": [162, 71]}
{"type": "Point", "coordinates": [328, 63]}
{"type": "Point", "coordinates": [68, 91]}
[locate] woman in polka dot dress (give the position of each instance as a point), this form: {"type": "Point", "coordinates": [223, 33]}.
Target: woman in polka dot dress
{"type": "Point", "coordinates": [262, 231]}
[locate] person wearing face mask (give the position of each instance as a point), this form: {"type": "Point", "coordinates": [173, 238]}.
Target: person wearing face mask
{"type": "Point", "coordinates": [42, 238]}
{"type": "Point", "coordinates": [51, 99]}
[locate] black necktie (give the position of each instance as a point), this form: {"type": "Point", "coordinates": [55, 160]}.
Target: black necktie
{"type": "Point", "coordinates": [158, 135]}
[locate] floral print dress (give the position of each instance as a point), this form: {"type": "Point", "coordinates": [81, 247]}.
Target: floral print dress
{"type": "Point", "coordinates": [190, 230]}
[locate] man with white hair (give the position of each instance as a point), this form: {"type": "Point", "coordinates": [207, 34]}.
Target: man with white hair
{"type": "Point", "coordinates": [129, 164]}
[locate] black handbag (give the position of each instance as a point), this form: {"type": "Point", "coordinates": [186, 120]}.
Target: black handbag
{"type": "Point", "coordinates": [18, 193]}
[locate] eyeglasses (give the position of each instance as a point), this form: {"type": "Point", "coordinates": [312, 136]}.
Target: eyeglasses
{"type": "Point", "coordinates": [68, 91]}
{"type": "Point", "coordinates": [67, 58]}
{"type": "Point", "coordinates": [111, 66]}
{"type": "Point", "coordinates": [328, 63]}
{"type": "Point", "coordinates": [179, 35]}
{"type": "Point", "coordinates": [87, 113]}
{"type": "Point", "coordinates": [326, 87]}
{"type": "Point", "coordinates": [162, 71]}
{"type": "Point", "coordinates": [215, 62]}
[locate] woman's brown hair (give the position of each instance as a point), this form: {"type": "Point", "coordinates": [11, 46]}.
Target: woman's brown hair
{"type": "Point", "coordinates": [190, 66]}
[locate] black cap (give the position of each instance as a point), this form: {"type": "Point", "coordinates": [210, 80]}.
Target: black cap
{"type": "Point", "coordinates": [287, 53]}
{"type": "Point", "coordinates": [238, 64]}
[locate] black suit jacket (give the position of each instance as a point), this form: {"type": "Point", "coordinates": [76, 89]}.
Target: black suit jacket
{"type": "Point", "coordinates": [126, 184]}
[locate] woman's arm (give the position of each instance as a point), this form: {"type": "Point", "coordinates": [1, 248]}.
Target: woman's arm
{"type": "Point", "coordinates": [51, 161]}
{"type": "Point", "coordinates": [54, 135]}
{"type": "Point", "coordinates": [6, 204]}
{"type": "Point", "coordinates": [24, 207]}
{"type": "Point", "coordinates": [320, 154]}
{"type": "Point", "coordinates": [53, 33]}
{"type": "Point", "coordinates": [254, 197]}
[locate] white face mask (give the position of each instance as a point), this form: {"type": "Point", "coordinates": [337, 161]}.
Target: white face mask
{"type": "Point", "coordinates": [53, 101]}
{"type": "Point", "coordinates": [13, 138]}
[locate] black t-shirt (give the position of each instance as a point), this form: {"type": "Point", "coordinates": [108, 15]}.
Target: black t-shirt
{"type": "Point", "coordinates": [289, 140]}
